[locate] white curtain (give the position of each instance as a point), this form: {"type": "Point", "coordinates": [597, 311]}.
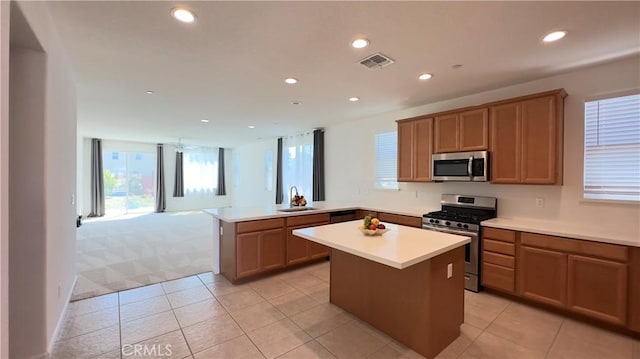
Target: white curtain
{"type": "Point", "coordinates": [297, 165]}
{"type": "Point", "coordinates": [200, 168]}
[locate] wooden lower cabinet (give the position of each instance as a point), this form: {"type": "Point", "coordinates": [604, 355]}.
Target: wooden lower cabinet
{"type": "Point", "coordinates": [296, 248]}
{"type": "Point", "coordinates": [248, 249]}
{"type": "Point", "coordinates": [598, 288]}
{"type": "Point", "coordinates": [498, 277]}
{"type": "Point", "coordinates": [317, 250]}
{"type": "Point", "coordinates": [272, 250]}
{"type": "Point", "coordinates": [259, 252]}
{"type": "Point", "coordinates": [542, 275]}
{"type": "Point", "coordinates": [400, 219]}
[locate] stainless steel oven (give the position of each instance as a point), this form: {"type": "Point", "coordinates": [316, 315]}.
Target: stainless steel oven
{"type": "Point", "coordinates": [460, 166]}
{"type": "Point", "coordinates": [462, 215]}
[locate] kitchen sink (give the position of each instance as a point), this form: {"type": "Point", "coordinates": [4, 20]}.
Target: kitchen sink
{"type": "Point", "coordinates": [296, 209]}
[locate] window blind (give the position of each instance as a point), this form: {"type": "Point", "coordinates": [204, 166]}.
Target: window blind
{"type": "Point", "coordinates": [386, 148]}
{"type": "Point", "coordinates": [612, 148]}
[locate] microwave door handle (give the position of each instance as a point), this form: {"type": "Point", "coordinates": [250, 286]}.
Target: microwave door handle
{"type": "Point", "coordinates": [470, 168]}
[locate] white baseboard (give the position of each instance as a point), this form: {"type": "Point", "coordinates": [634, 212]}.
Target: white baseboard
{"type": "Point", "coordinates": [63, 315]}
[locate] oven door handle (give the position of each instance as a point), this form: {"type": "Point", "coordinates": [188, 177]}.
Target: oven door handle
{"type": "Point", "coordinates": [452, 231]}
{"type": "Point", "coordinates": [470, 168]}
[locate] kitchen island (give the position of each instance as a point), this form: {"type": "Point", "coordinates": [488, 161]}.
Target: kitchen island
{"type": "Point", "coordinates": [408, 283]}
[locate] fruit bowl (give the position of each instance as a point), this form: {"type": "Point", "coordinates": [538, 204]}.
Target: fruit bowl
{"type": "Point", "coordinates": [373, 232]}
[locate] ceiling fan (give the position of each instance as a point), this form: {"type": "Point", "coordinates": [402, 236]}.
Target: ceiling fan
{"type": "Point", "coordinates": [180, 147]}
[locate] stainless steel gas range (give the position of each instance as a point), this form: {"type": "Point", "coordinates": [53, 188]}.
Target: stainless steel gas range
{"type": "Point", "coordinates": [462, 215]}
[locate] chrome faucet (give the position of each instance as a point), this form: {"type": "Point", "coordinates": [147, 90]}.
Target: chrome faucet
{"type": "Point", "coordinates": [291, 193]}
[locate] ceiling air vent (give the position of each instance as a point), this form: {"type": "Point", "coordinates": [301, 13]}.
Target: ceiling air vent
{"type": "Point", "coordinates": [376, 61]}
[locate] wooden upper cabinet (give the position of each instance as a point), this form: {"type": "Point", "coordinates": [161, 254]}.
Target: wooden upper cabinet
{"type": "Point", "coordinates": [414, 150]}
{"type": "Point", "coordinates": [462, 131]}
{"type": "Point", "coordinates": [405, 151]}
{"type": "Point", "coordinates": [446, 130]}
{"type": "Point", "coordinates": [526, 140]}
{"type": "Point", "coordinates": [539, 141]}
{"type": "Point", "coordinates": [474, 130]}
{"type": "Point", "coordinates": [506, 123]}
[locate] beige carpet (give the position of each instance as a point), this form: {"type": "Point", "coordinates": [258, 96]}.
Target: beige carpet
{"type": "Point", "coordinates": [130, 251]}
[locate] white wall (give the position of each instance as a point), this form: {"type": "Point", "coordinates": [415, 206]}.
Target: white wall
{"type": "Point", "coordinates": [42, 151]}
{"type": "Point", "coordinates": [250, 176]}
{"type": "Point", "coordinates": [4, 179]}
{"type": "Point", "coordinates": [189, 202]}
{"type": "Point", "coordinates": [350, 167]}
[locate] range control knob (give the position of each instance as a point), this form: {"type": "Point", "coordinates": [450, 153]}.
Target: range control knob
{"type": "Point", "coordinates": [437, 221]}
{"type": "Point", "coordinates": [447, 223]}
{"type": "Point", "coordinates": [432, 221]}
{"type": "Point", "coordinates": [459, 225]}
{"type": "Point", "coordinates": [465, 226]}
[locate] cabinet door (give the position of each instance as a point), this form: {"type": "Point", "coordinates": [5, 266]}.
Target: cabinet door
{"type": "Point", "coordinates": [598, 288]}
{"type": "Point", "coordinates": [248, 254]}
{"type": "Point", "coordinates": [445, 133]}
{"type": "Point", "coordinates": [317, 250]}
{"type": "Point", "coordinates": [498, 277]}
{"type": "Point", "coordinates": [505, 143]}
{"type": "Point", "coordinates": [273, 249]}
{"type": "Point", "coordinates": [539, 141]}
{"type": "Point", "coordinates": [405, 151]}
{"type": "Point", "coordinates": [542, 276]}
{"type": "Point", "coordinates": [474, 130]}
{"type": "Point", "coordinates": [297, 251]}
{"type": "Point", "coordinates": [423, 133]}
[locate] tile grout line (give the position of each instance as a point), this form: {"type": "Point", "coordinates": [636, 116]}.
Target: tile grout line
{"type": "Point", "coordinates": [555, 338]}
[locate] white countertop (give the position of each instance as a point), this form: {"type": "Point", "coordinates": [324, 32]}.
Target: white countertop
{"type": "Point", "coordinates": [240, 214]}
{"type": "Point", "coordinates": [564, 229]}
{"type": "Point", "coordinates": [400, 247]}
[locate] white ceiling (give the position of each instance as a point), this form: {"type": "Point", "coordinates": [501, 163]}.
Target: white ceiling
{"type": "Point", "coordinates": [229, 66]}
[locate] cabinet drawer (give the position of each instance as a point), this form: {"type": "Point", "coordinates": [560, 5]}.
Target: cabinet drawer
{"type": "Point", "coordinates": [498, 277]}
{"type": "Point", "coordinates": [499, 234]}
{"type": "Point", "coordinates": [594, 249]}
{"type": "Point", "coordinates": [499, 247]}
{"type": "Point", "coordinates": [260, 225]}
{"type": "Point", "coordinates": [400, 219]}
{"type": "Point", "coordinates": [315, 219]}
{"type": "Point", "coordinates": [499, 259]}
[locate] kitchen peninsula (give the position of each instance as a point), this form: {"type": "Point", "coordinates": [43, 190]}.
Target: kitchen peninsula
{"type": "Point", "coordinates": [408, 283]}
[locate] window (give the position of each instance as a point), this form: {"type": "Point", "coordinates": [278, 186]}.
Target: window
{"type": "Point", "coordinates": [386, 148]}
{"type": "Point", "coordinates": [297, 165]}
{"type": "Point", "coordinates": [200, 168]}
{"type": "Point", "coordinates": [612, 148]}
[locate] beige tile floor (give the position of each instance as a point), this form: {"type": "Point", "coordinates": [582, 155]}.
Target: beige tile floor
{"type": "Point", "coordinates": [289, 316]}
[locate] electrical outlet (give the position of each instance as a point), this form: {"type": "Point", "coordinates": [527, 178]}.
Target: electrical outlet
{"type": "Point", "coordinates": [449, 270]}
{"type": "Point", "coordinates": [73, 199]}
{"type": "Point", "coordinates": [540, 202]}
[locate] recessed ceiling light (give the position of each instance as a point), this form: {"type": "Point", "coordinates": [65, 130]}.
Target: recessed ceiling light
{"type": "Point", "coordinates": [425, 76]}
{"type": "Point", "coordinates": [555, 36]}
{"type": "Point", "coordinates": [183, 15]}
{"type": "Point", "coordinates": [149, 92]}
{"type": "Point", "coordinates": [360, 43]}
{"type": "Point", "coordinates": [205, 121]}
{"type": "Point", "coordinates": [354, 99]}
{"type": "Point", "coordinates": [296, 102]}
{"type": "Point", "coordinates": [456, 66]}
{"type": "Point", "coordinates": [291, 80]}
{"type": "Point", "coordinates": [251, 126]}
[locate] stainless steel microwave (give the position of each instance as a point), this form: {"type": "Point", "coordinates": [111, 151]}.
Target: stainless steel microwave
{"type": "Point", "coordinates": [460, 166]}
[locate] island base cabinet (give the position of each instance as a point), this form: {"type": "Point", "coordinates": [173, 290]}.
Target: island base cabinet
{"type": "Point", "coordinates": [272, 250]}
{"type": "Point", "coordinates": [598, 288]}
{"type": "Point", "coordinates": [418, 306]}
{"type": "Point", "coordinates": [542, 276]}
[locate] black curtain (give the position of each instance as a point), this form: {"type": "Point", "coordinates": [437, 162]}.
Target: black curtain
{"type": "Point", "coordinates": [279, 189]}
{"type": "Point", "coordinates": [161, 197]}
{"type": "Point", "coordinates": [178, 184]}
{"type": "Point", "coordinates": [318, 165]}
{"type": "Point", "coordinates": [222, 189]}
{"type": "Point", "coordinates": [97, 179]}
